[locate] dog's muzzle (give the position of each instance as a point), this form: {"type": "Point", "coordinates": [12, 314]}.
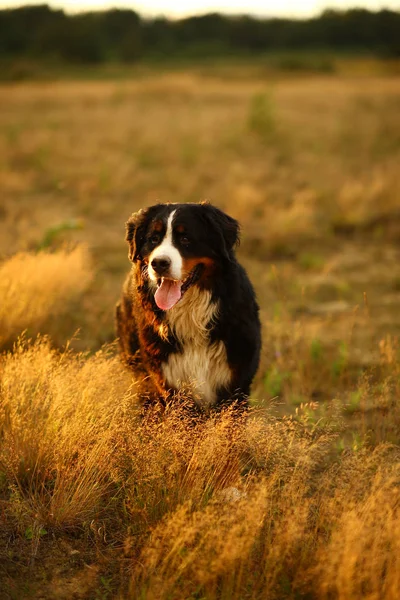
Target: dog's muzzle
{"type": "Point", "coordinates": [161, 265]}
{"type": "Point", "coordinates": [170, 291]}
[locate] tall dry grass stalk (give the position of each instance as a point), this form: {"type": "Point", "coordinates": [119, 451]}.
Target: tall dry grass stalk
{"type": "Point", "coordinates": [58, 412]}
{"type": "Point", "coordinates": [220, 507]}
{"type": "Point", "coordinates": [361, 558]}
{"type": "Point", "coordinates": [37, 287]}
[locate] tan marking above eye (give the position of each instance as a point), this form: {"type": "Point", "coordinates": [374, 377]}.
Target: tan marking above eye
{"type": "Point", "coordinates": [180, 229]}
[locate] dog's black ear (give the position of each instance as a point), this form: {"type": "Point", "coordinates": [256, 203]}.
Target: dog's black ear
{"type": "Point", "coordinates": [228, 228]}
{"type": "Point", "coordinates": [135, 233]}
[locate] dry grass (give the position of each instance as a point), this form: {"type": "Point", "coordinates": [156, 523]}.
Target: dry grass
{"type": "Point", "coordinates": [308, 166]}
{"type": "Point", "coordinates": [171, 508]}
{"type": "Point", "coordinates": [300, 500]}
{"type": "Point", "coordinates": [36, 290]}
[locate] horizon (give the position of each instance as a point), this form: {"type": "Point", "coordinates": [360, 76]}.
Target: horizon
{"type": "Point", "coordinates": [156, 8]}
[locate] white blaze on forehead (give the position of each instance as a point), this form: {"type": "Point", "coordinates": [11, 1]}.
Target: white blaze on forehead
{"type": "Point", "coordinates": [167, 249]}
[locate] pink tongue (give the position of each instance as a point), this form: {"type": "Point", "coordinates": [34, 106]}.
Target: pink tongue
{"type": "Point", "coordinates": [168, 294]}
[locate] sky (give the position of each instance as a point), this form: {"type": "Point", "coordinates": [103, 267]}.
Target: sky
{"type": "Point", "coordinates": [176, 9]}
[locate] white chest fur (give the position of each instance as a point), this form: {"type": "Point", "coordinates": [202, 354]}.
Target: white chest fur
{"type": "Point", "coordinates": [202, 367]}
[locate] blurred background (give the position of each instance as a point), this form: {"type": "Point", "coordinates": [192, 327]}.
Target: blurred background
{"type": "Point", "coordinates": [289, 123]}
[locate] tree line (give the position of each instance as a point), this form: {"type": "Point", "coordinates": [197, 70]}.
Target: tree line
{"type": "Point", "coordinates": [123, 35]}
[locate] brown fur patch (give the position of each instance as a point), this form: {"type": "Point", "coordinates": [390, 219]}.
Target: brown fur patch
{"type": "Point", "coordinates": [190, 263]}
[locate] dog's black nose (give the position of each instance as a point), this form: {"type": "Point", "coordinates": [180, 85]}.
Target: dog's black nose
{"type": "Point", "coordinates": [161, 264]}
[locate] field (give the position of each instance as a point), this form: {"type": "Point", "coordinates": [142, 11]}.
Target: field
{"type": "Point", "coordinates": [299, 501]}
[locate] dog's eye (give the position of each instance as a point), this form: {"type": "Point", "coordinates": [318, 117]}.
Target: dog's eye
{"type": "Point", "coordinates": [155, 238]}
{"type": "Point", "coordinates": [185, 240]}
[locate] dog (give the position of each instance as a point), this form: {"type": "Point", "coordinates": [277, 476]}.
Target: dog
{"type": "Point", "coordinates": [188, 318]}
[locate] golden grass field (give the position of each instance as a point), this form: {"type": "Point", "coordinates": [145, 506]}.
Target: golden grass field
{"type": "Point", "coordinates": [301, 499]}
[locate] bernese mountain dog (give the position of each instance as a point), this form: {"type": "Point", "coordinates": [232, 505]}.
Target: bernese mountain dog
{"type": "Point", "coordinates": [188, 318]}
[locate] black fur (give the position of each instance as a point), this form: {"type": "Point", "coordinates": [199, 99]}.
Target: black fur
{"type": "Point", "coordinates": [213, 238]}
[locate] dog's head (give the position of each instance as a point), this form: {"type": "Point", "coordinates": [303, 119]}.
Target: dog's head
{"type": "Point", "coordinates": [181, 245]}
